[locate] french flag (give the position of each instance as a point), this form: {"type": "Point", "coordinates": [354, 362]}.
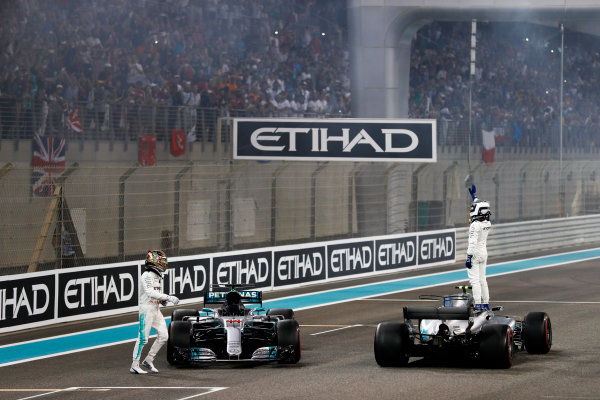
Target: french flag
{"type": "Point", "coordinates": [489, 145]}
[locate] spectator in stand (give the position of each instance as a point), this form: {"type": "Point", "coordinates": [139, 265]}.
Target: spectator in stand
{"type": "Point", "coordinates": [127, 48]}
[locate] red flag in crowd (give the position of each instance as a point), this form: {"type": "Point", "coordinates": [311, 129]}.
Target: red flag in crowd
{"type": "Point", "coordinates": [177, 142]}
{"type": "Point", "coordinates": [48, 163]}
{"type": "Point", "coordinates": [147, 154]}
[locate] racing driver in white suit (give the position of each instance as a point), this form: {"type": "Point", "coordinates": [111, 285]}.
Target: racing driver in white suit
{"type": "Point", "coordinates": [150, 298]}
{"type": "Point", "coordinates": [479, 215]}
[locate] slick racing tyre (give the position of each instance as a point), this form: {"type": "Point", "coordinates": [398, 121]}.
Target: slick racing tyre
{"type": "Point", "coordinates": [171, 357]}
{"type": "Point", "coordinates": [392, 344]}
{"type": "Point", "coordinates": [288, 337]}
{"type": "Point", "coordinates": [178, 315]}
{"type": "Point", "coordinates": [179, 336]}
{"type": "Point", "coordinates": [537, 333]}
{"type": "Point", "coordinates": [179, 333]}
{"type": "Point", "coordinates": [497, 346]}
{"type": "Point", "coordinates": [287, 313]}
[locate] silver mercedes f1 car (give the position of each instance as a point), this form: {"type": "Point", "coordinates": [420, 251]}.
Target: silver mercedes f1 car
{"type": "Point", "coordinates": [457, 329]}
{"type": "Point", "coordinates": [233, 332]}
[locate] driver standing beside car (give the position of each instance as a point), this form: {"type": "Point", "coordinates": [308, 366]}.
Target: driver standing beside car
{"type": "Point", "coordinates": [150, 298]}
{"type": "Point", "coordinates": [480, 225]}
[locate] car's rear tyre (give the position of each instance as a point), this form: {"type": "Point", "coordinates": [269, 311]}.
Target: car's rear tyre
{"type": "Point", "coordinates": [537, 333]}
{"type": "Point", "coordinates": [287, 313]}
{"type": "Point", "coordinates": [178, 315]}
{"type": "Point", "coordinates": [392, 344]}
{"type": "Point", "coordinates": [288, 334]}
{"type": "Point", "coordinates": [497, 346]}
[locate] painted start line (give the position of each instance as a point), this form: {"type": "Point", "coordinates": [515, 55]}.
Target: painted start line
{"type": "Point", "coordinates": [45, 392]}
{"type": "Point", "coordinates": [93, 339]}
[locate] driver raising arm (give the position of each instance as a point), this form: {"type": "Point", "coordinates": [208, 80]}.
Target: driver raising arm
{"type": "Point", "coordinates": [149, 312]}
{"type": "Point", "coordinates": [479, 215]}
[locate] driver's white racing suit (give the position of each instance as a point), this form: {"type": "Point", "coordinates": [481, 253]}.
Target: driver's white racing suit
{"type": "Point", "coordinates": [478, 233]}
{"type": "Point", "coordinates": [150, 298]}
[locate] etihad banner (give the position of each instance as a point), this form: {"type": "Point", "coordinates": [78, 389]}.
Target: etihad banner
{"type": "Point", "coordinates": [26, 298]}
{"type": "Point", "coordinates": [187, 277]}
{"type": "Point", "coordinates": [299, 264]}
{"type": "Point", "coordinates": [86, 290]}
{"type": "Point", "coordinates": [43, 298]}
{"type": "Point", "coordinates": [242, 268]}
{"type": "Point", "coordinates": [437, 247]}
{"type": "Point", "coordinates": [350, 257]}
{"type": "Point", "coordinates": [385, 140]}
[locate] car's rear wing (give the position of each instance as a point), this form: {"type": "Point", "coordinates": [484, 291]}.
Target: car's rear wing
{"type": "Point", "coordinates": [247, 297]}
{"type": "Point", "coordinates": [419, 312]}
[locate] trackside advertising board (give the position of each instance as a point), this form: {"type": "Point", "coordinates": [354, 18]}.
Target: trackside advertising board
{"type": "Point", "coordinates": [43, 298]}
{"type": "Point", "coordinates": [341, 139]}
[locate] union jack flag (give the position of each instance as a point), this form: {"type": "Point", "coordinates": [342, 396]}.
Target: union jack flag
{"type": "Point", "coordinates": [48, 163]}
{"type": "Point", "coordinates": [71, 117]}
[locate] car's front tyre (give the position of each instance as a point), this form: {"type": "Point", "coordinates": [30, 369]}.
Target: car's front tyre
{"type": "Point", "coordinates": [286, 313]}
{"type": "Point", "coordinates": [179, 336]}
{"type": "Point", "coordinates": [179, 314]}
{"type": "Point", "coordinates": [288, 339]}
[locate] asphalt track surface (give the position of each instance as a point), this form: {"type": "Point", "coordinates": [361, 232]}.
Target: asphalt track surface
{"type": "Point", "coordinates": [337, 353]}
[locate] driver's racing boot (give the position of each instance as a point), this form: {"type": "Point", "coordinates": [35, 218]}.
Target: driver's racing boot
{"type": "Point", "coordinates": [135, 368]}
{"type": "Point", "coordinates": [149, 365]}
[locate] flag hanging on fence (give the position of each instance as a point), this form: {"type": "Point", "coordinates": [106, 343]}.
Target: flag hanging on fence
{"type": "Point", "coordinates": [72, 118]}
{"type": "Point", "coordinates": [191, 135]}
{"type": "Point", "coordinates": [177, 142]}
{"type": "Point", "coordinates": [147, 154]}
{"type": "Point", "coordinates": [48, 163]}
{"type": "Point", "coordinates": [489, 145]}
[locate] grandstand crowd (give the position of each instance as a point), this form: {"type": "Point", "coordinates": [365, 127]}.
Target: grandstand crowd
{"type": "Point", "coordinates": [116, 60]}
{"type": "Point", "coordinates": [146, 66]}
{"type": "Point", "coordinates": [516, 86]}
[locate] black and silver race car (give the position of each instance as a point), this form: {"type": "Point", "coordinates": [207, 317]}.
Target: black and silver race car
{"type": "Point", "coordinates": [233, 332]}
{"type": "Point", "coordinates": [458, 328]}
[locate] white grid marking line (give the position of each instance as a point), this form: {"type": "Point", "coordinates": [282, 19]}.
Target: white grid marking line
{"type": "Point", "coordinates": [495, 301]}
{"type": "Point", "coordinates": [46, 394]}
{"type": "Point", "coordinates": [209, 389]}
{"type": "Point", "coordinates": [336, 329]}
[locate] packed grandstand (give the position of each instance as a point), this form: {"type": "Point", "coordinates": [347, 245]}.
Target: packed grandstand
{"type": "Point", "coordinates": [119, 68]}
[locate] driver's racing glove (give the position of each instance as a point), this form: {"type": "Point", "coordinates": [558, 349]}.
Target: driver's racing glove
{"type": "Point", "coordinates": [173, 299]}
{"type": "Point", "coordinates": [468, 262]}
